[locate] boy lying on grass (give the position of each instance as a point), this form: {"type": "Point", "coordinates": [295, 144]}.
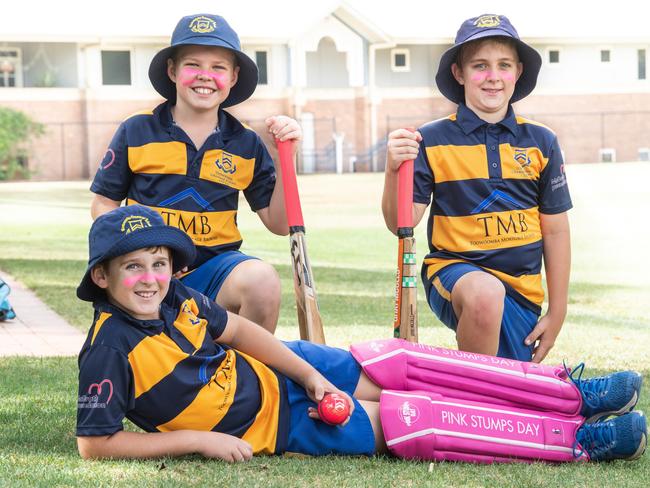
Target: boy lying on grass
{"type": "Point", "coordinates": [198, 379]}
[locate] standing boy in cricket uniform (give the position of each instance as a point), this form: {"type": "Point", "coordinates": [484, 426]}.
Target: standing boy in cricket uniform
{"type": "Point", "coordinates": [500, 199]}
{"type": "Point", "coordinates": [189, 159]}
{"type": "Point", "coordinates": [198, 379]}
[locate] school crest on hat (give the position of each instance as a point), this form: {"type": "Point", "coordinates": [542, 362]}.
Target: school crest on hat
{"type": "Point", "coordinates": [202, 24]}
{"type": "Point", "coordinates": [134, 222]}
{"type": "Point", "coordinates": [486, 21]}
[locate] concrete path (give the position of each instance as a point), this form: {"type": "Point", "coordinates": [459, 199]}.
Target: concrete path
{"type": "Point", "coordinates": [37, 330]}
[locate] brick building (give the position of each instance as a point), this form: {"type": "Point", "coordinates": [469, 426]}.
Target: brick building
{"type": "Point", "coordinates": [350, 71]}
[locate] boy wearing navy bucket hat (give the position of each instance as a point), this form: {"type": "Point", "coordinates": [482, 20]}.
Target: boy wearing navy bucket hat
{"type": "Point", "coordinates": [189, 159]}
{"type": "Point", "coordinates": [500, 198]}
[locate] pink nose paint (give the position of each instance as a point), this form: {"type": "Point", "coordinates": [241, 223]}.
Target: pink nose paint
{"type": "Point", "coordinates": [130, 281]}
{"type": "Point", "coordinates": [189, 75]}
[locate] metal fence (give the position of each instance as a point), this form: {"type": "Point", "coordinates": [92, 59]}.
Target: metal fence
{"type": "Point", "coordinates": [585, 137]}
{"type": "Point", "coordinates": [73, 150]}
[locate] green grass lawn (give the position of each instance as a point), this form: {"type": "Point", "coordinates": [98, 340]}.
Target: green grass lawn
{"type": "Point", "coordinates": [43, 231]}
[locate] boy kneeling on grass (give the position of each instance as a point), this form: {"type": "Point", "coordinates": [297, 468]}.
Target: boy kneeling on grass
{"type": "Point", "coordinates": [198, 379]}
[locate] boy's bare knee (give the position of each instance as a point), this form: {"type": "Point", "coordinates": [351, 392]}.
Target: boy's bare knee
{"type": "Point", "coordinates": [479, 297]}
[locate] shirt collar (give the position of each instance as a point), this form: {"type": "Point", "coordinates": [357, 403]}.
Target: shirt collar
{"type": "Point", "coordinates": [229, 126]}
{"type": "Point", "coordinates": [104, 305]}
{"type": "Point", "coordinates": [469, 121]}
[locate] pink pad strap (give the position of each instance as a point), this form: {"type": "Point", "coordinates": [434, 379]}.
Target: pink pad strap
{"type": "Point", "coordinates": [397, 364]}
{"type": "Point", "coordinates": [420, 425]}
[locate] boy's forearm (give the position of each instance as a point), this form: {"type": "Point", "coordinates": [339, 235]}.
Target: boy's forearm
{"type": "Point", "coordinates": [137, 445]}
{"type": "Point", "coordinates": [257, 342]}
{"type": "Point", "coordinates": [389, 200]}
{"type": "Point", "coordinates": [101, 204]}
{"type": "Point", "coordinates": [557, 263]}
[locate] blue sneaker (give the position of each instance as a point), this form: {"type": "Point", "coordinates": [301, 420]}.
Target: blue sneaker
{"type": "Point", "coordinates": [623, 437]}
{"type": "Point", "coordinates": [614, 394]}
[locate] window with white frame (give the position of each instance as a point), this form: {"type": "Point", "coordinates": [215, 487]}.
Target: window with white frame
{"type": "Point", "coordinates": [262, 62]}
{"type": "Point", "coordinates": [10, 67]}
{"type": "Point", "coordinates": [116, 67]}
{"type": "Point", "coordinates": [553, 55]}
{"type": "Point", "coordinates": [400, 60]}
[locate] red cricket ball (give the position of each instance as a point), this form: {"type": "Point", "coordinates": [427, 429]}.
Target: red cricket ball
{"type": "Point", "coordinates": [333, 409]}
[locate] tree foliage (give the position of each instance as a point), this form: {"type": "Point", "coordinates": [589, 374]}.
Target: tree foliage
{"type": "Point", "coordinates": [16, 130]}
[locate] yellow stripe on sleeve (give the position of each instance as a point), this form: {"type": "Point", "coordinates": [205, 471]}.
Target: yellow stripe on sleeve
{"type": "Point", "coordinates": [103, 317]}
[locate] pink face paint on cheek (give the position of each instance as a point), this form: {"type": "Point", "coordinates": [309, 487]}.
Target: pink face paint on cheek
{"type": "Point", "coordinates": [508, 76]}
{"type": "Point", "coordinates": [479, 77]}
{"type": "Point", "coordinates": [130, 281]}
{"type": "Point", "coordinates": [188, 75]}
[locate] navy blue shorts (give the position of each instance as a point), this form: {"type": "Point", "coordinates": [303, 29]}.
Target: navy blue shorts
{"type": "Point", "coordinates": [517, 322]}
{"type": "Point", "coordinates": [209, 277]}
{"type": "Point", "coordinates": [316, 438]}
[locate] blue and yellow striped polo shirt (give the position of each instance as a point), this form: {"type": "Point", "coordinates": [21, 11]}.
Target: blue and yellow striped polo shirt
{"type": "Point", "coordinates": [169, 374]}
{"type": "Point", "coordinates": [152, 161]}
{"type": "Point", "coordinates": [490, 182]}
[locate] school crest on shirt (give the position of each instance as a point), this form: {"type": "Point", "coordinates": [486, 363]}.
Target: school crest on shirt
{"type": "Point", "coordinates": [191, 317]}
{"type": "Point", "coordinates": [521, 156]}
{"type": "Point", "coordinates": [225, 163]}
{"type": "Point", "coordinates": [202, 25]}
{"type": "Point", "coordinates": [487, 21]}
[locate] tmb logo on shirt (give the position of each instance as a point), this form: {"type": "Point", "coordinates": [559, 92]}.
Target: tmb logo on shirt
{"type": "Point", "coordinates": [487, 21]}
{"type": "Point", "coordinates": [134, 222]}
{"type": "Point", "coordinates": [225, 163]}
{"type": "Point", "coordinates": [202, 25]}
{"type": "Point", "coordinates": [408, 413]}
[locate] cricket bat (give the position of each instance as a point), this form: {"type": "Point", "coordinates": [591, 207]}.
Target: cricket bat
{"type": "Point", "coordinates": [405, 325]}
{"type": "Point", "coordinates": [309, 319]}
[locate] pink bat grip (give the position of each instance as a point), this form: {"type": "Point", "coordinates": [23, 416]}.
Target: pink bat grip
{"type": "Point", "coordinates": [405, 195]}
{"type": "Point", "coordinates": [291, 197]}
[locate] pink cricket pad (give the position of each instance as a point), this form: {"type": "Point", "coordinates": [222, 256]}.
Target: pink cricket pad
{"type": "Point", "coordinates": [421, 425]}
{"type": "Point", "coordinates": [398, 364]}
{"type": "Point", "coordinates": [189, 75]}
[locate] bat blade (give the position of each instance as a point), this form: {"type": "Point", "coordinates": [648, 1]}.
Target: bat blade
{"type": "Point", "coordinates": [405, 324]}
{"type": "Point", "coordinates": [309, 320]}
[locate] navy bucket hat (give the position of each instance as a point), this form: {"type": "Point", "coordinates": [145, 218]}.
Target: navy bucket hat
{"type": "Point", "coordinates": [126, 229]}
{"type": "Point", "coordinates": [205, 30]}
{"type": "Point", "coordinates": [488, 25]}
